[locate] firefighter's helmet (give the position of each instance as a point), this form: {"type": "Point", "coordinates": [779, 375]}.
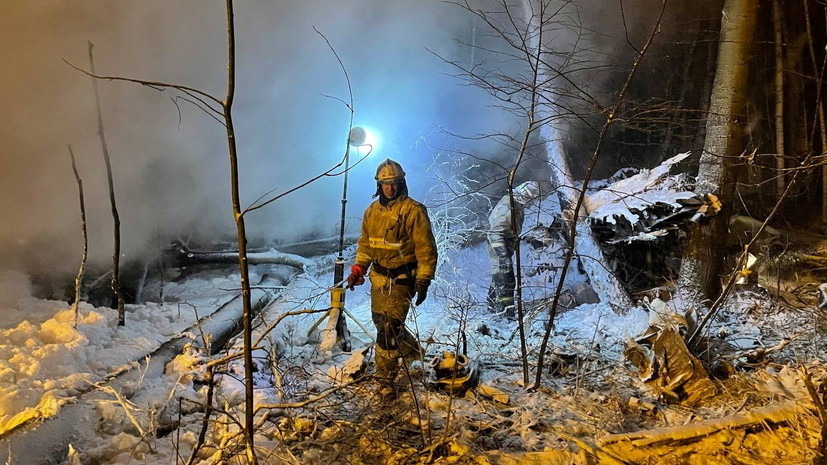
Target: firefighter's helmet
{"type": "Point", "coordinates": [389, 170]}
{"type": "Point", "coordinates": [527, 191]}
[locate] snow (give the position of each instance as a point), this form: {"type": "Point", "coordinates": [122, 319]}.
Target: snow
{"type": "Point", "coordinates": [628, 198]}
{"type": "Point", "coordinates": [47, 360]}
{"type": "Point", "coordinates": [49, 363]}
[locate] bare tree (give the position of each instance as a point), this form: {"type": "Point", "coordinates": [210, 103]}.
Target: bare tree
{"type": "Point", "coordinates": [241, 236]}
{"type": "Point", "coordinates": [529, 88]}
{"type": "Point", "coordinates": [116, 254]}
{"type": "Point", "coordinates": [556, 83]}
{"type": "Point", "coordinates": [533, 57]}
{"type": "Point", "coordinates": [82, 267]}
{"type": "Point", "coordinates": [545, 94]}
{"type": "Point", "coordinates": [778, 25]}
{"type": "Point", "coordinates": [611, 116]}
{"type": "Point", "coordinates": [221, 111]}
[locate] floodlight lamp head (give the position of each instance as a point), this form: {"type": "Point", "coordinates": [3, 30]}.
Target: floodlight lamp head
{"type": "Point", "coordinates": [357, 136]}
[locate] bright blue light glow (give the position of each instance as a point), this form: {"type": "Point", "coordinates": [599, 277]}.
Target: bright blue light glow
{"type": "Point", "coordinates": [371, 143]}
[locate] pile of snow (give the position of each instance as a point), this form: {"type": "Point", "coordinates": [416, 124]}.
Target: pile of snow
{"type": "Point", "coordinates": [48, 355]}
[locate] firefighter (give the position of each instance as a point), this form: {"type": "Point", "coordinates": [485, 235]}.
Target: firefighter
{"type": "Point", "coordinates": [397, 245]}
{"type": "Point", "coordinates": [502, 242]}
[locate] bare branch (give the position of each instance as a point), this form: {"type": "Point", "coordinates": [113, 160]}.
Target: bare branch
{"type": "Point", "coordinates": [157, 85]}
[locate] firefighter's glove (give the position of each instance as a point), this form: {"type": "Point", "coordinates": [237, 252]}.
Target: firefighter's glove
{"type": "Point", "coordinates": [421, 289]}
{"type": "Point", "coordinates": [357, 276]}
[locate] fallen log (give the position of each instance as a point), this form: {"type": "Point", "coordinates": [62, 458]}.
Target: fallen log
{"type": "Point", "coordinates": [783, 432]}
{"type": "Point", "coordinates": [182, 256]}
{"type": "Point", "coordinates": [759, 418]}
{"type": "Point", "coordinates": [605, 283]}
{"type": "Point", "coordinates": [814, 260]}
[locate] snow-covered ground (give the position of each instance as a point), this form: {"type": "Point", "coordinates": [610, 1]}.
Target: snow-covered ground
{"type": "Point", "coordinates": [311, 411]}
{"type": "Point", "coordinates": [48, 358]}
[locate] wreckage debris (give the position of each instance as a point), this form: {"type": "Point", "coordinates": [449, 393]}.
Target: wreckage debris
{"type": "Point", "coordinates": [784, 432]}
{"type": "Point", "coordinates": [664, 362]}
{"type": "Point", "coordinates": [452, 373]}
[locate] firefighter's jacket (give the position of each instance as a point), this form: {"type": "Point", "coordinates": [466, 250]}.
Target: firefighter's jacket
{"type": "Point", "coordinates": [500, 231]}
{"type": "Point", "coordinates": [396, 235]}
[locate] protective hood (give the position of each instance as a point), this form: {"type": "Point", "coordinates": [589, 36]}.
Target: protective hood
{"type": "Point", "coordinates": [401, 192]}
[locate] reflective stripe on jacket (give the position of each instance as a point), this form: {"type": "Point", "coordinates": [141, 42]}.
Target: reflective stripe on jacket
{"type": "Point", "coordinates": [398, 234]}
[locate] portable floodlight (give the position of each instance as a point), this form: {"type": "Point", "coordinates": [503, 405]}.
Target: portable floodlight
{"type": "Point", "coordinates": [357, 137]}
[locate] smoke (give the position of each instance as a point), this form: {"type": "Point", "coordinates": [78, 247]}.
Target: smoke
{"type": "Point", "coordinates": [169, 158]}
{"type": "Point", "coordinates": [170, 162]}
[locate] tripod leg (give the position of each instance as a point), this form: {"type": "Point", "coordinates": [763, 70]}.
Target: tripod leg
{"type": "Point", "coordinates": [319, 321]}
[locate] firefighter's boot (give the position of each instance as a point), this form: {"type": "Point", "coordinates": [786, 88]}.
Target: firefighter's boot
{"type": "Point", "coordinates": [387, 367]}
{"type": "Point", "coordinates": [409, 348]}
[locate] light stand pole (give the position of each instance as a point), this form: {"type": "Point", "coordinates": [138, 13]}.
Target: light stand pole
{"type": "Point", "coordinates": [356, 137]}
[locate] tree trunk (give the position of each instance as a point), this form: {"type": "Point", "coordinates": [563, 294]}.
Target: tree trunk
{"type": "Point", "coordinates": [779, 98]}
{"type": "Point", "coordinates": [84, 256]}
{"type": "Point", "coordinates": [818, 73]}
{"type": "Point", "coordinates": [706, 92]}
{"type": "Point", "coordinates": [587, 250]}
{"type": "Point", "coordinates": [241, 233]}
{"type": "Point", "coordinates": [585, 245]}
{"type": "Point", "coordinates": [698, 278]}
{"type": "Point", "coordinates": [116, 218]}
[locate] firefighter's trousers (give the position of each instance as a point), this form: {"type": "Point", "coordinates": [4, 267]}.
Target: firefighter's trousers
{"type": "Point", "coordinates": [390, 300]}
{"type": "Point", "coordinates": [501, 290]}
